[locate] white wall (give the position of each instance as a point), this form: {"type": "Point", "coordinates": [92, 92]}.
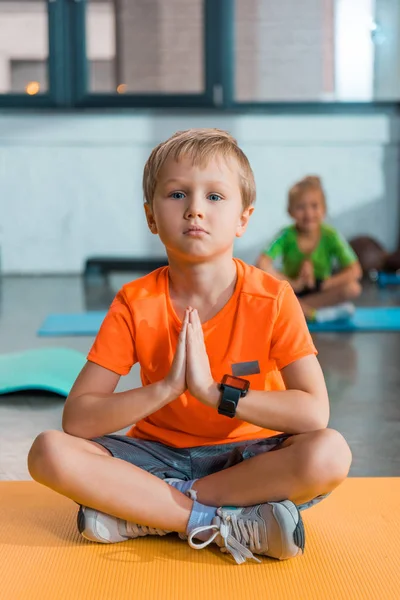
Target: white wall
{"type": "Point", "coordinates": [70, 184]}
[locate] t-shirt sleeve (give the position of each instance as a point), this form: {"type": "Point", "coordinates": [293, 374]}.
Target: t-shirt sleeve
{"type": "Point", "coordinates": [276, 247]}
{"type": "Point", "coordinates": [291, 339]}
{"type": "Point", "coordinates": [114, 346]}
{"type": "Point", "coordinates": [342, 251]}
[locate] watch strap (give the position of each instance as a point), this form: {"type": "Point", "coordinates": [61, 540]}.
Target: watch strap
{"type": "Point", "coordinates": [229, 401]}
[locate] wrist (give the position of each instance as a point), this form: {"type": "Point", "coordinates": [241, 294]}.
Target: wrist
{"type": "Point", "coordinates": [209, 395]}
{"type": "Point", "coordinates": [167, 391]}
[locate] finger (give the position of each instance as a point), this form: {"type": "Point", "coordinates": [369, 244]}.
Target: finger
{"type": "Point", "coordinates": [183, 330]}
{"type": "Point", "coordinates": [196, 319]}
{"type": "Point", "coordinates": [195, 326]}
{"type": "Point", "coordinates": [189, 333]}
{"type": "Point", "coordinates": [189, 342]}
{"type": "Point", "coordinates": [199, 328]}
{"type": "Point", "coordinates": [183, 334]}
{"type": "Point", "coordinates": [185, 319]}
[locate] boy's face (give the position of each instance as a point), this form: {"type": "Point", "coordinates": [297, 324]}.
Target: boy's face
{"type": "Point", "coordinates": [308, 211]}
{"type": "Point", "coordinates": [198, 212]}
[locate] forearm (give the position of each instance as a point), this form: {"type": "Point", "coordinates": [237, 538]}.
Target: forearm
{"type": "Point", "coordinates": [345, 276]}
{"type": "Point", "coordinates": [94, 415]}
{"type": "Point", "coordinates": [291, 411]}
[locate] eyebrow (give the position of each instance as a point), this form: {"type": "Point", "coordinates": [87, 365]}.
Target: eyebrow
{"type": "Point", "coordinates": [183, 181]}
{"type": "Point", "coordinates": [172, 180]}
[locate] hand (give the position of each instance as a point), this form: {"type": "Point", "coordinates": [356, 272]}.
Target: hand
{"type": "Point", "coordinates": [297, 284]}
{"type": "Point", "coordinates": [307, 274]}
{"type": "Point", "coordinates": [176, 378]}
{"type": "Point", "coordinates": [198, 373]}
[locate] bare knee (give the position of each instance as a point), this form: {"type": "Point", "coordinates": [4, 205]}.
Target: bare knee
{"type": "Point", "coordinates": [352, 290]}
{"type": "Point", "coordinates": [42, 457]}
{"type": "Point", "coordinates": [326, 458]}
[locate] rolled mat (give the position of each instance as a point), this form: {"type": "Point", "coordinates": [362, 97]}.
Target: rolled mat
{"type": "Point", "coordinates": [47, 369]}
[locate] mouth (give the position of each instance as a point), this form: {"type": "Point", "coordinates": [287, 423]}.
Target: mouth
{"type": "Point", "coordinates": [194, 230]}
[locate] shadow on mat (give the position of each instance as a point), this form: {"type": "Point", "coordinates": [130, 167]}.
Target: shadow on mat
{"type": "Point", "coordinates": [38, 529]}
{"type": "Point", "coordinates": [54, 527]}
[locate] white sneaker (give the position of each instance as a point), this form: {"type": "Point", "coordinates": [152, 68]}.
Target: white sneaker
{"type": "Point", "coordinates": [96, 526]}
{"type": "Point", "coordinates": [339, 312]}
{"type": "Point", "coordinates": [272, 529]}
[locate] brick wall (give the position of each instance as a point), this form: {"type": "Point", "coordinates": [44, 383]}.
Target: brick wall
{"type": "Point", "coordinates": [282, 49]}
{"type": "Point", "coordinates": [161, 45]}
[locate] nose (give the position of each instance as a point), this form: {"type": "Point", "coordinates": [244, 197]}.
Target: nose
{"type": "Point", "coordinates": [308, 213]}
{"type": "Point", "coordinates": [194, 208]}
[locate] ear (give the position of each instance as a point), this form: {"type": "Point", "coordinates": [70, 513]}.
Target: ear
{"type": "Point", "coordinates": [150, 218]}
{"type": "Point", "coordinates": [244, 220]}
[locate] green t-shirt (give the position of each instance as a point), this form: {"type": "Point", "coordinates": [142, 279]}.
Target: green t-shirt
{"type": "Point", "coordinates": [331, 253]}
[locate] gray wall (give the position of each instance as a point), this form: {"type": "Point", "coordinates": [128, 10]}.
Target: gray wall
{"type": "Point", "coordinates": [70, 185]}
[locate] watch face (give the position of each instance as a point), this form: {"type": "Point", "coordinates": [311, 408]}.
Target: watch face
{"type": "Point", "coordinates": [236, 382]}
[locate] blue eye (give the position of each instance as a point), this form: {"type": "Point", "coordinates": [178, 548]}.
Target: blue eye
{"type": "Point", "coordinates": [214, 197]}
{"type": "Point", "coordinates": [177, 195]}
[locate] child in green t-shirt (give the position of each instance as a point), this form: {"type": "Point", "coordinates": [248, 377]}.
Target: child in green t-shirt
{"type": "Point", "coordinates": [316, 260]}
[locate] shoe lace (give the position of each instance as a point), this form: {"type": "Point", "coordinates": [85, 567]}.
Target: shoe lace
{"type": "Point", "coordinates": [142, 530]}
{"type": "Point", "coordinates": [238, 535]}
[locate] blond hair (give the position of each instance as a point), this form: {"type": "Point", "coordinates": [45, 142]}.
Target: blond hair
{"type": "Point", "coordinates": [311, 182]}
{"type": "Point", "coordinates": [200, 145]}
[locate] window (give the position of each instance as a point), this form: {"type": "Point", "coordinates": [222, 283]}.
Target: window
{"type": "Point", "coordinates": [317, 50]}
{"type": "Point", "coordinates": [24, 47]}
{"type": "Point", "coordinates": [145, 53]}
{"type": "Point", "coordinates": [149, 46]}
{"type": "Point", "coordinates": [228, 54]}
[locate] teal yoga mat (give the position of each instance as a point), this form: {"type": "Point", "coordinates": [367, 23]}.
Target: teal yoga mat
{"type": "Point", "coordinates": [48, 369]}
{"type": "Point", "coordinates": [379, 318]}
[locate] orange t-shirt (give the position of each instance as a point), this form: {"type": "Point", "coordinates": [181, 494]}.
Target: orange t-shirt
{"type": "Point", "coordinates": [262, 322]}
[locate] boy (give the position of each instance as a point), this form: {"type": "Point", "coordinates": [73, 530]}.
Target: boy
{"type": "Point", "coordinates": [207, 319]}
{"type": "Point", "coordinates": [309, 251]}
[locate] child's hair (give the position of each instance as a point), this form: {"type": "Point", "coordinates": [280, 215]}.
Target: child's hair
{"type": "Point", "coordinates": [200, 145]}
{"type": "Point", "coordinates": [311, 182]}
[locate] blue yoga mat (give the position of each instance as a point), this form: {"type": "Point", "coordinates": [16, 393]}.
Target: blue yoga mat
{"type": "Point", "coordinates": [87, 323]}
{"type": "Point", "coordinates": [380, 318]}
{"type": "Point", "coordinates": [365, 319]}
{"type": "Point", "coordinates": [384, 279]}
{"type": "Point", "coordinates": [48, 369]}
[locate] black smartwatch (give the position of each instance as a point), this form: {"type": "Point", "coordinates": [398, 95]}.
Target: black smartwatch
{"type": "Point", "coordinates": [232, 388]}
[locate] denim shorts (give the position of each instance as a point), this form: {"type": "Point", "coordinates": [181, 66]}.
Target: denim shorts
{"type": "Point", "coordinates": [189, 463]}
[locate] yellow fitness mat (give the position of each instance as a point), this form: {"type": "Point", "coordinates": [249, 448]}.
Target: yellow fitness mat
{"type": "Point", "coordinates": [352, 552]}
